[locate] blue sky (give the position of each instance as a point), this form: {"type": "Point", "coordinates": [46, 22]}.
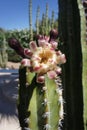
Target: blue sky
{"type": "Point", "coordinates": [14, 14]}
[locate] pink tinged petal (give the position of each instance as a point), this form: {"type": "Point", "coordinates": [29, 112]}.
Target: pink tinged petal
{"type": "Point", "coordinates": [51, 74]}
{"type": "Point", "coordinates": [54, 44]}
{"type": "Point", "coordinates": [26, 62]}
{"type": "Point", "coordinates": [46, 38]}
{"type": "Point", "coordinates": [58, 52]}
{"type": "Point", "coordinates": [40, 79]}
{"type": "Point", "coordinates": [36, 58]}
{"type": "Point", "coordinates": [33, 46]}
{"type": "Point", "coordinates": [37, 68]}
{"type": "Point", "coordinates": [42, 43]}
{"type": "Point", "coordinates": [27, 52]}
{"type": "Point", "coordinates": [62, 58]}
{"type": "Point", "coordinates": [58, 70]}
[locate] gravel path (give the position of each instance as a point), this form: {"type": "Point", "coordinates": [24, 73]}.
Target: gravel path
{"type": "Point", "coordinates": [8, 100]}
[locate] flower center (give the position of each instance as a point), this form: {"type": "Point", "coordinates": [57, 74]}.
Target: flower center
{"type": "Point", "coordinates": [45, 55]}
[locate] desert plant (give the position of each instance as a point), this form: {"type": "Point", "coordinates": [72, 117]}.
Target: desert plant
{"type": "Point", "coordinates": [37, 20]}
{"type": "Point", "coordinates": [40, 98]}
{"type": "Point", "coordinates": [69, 33]}
{"type": "Point", "coordinates": [30, 21]}
{"type": "Point", "coordinates": [3, 52]}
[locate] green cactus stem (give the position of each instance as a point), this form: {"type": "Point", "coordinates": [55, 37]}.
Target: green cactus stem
{"type": "Point", "coordinates": [30, 20]}
{"type": "Point", "coordinates": [37, 20]}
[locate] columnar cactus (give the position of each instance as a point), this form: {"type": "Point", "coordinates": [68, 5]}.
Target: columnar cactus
{"type": "Point", "coordinates": [52, 20]}
{"type": "Point", "coordinates": [46, 18]}
{"type": "Point", "coordinates": [83, 14]}
{"type": "Point", "coordinates": [69, 33]}
{"type": "Point", "coordinates": [30, 20]}
{"type": "Point", "coordinates": [3, 53]}
{"type": "Point", "coordinates": [37, 20]}
{"type": "Point", "coordinates": [40, 104]}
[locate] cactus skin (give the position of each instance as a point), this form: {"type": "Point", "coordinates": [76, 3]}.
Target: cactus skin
{"type": "Point", "coordinates": [45, 100]}
{"type": "Point", "coordinates": [69, 32]}
{"type": "Point", "coordinates": [83, 14]}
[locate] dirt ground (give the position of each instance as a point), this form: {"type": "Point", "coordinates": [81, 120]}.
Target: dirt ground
{"type": "Point", "coordinates": [12, 65]}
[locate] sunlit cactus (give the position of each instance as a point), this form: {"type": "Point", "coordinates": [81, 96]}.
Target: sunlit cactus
{"type": "Point", "coordinates": [43, 24]}
{"type": "Point", "coordinates": [30, 21]}
{"type": "Point", "coordinates": [3, 53]}
{"type": "Point", "coordinates": [37, 20]}
{"type": "Point", "coordinates": [40, 102]}
{"type": "Point", "coordinates": [46, 18]}
{"type": "Point", "coordinates": [52, 20]}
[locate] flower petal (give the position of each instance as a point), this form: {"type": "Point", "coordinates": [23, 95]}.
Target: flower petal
{"type": "Point", "coordinates": [46, 38]}
{"type": "Point", "coordinates": [33, 46]}
{"type": "Point", "coordinates": [40, 78]}
{"type": "Point", "coordinates": [51, 74]}
{"type": "Point", "coordinates": [54, 44]}
{"type": "Point", "coordinates": [27, 52]}
{"type": "Point", "coordinates": [43, 43]}
{"type": "Point", "coordinates": [62, 58]}
{"type": "Point", "coordinates": [58, 70]}
{"type": "Point", "coordinates": [26, 62]}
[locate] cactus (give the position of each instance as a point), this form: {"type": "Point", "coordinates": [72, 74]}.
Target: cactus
{"type": "Point", "coordinates": [30, 20]}
{"type": "Point", "coordinates": [83, 8]}
{"type": "Point", "coordinates": [69, 32]}
{"type": "Point", "coordinates": [37, 20]}
{"type": "Point", "coordinates": [40, 102]}
{"type": "Point", "coordinates": [3, 53]}
{"type": "Point", "coordinates": [46, 18]}
{"type": "Point", "coordinates": [52, 20]}
{"type": "Point", "coordinates": [43, 24]}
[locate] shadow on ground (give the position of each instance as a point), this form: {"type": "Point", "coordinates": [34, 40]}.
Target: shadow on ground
{"type": "Point", "coordinates": [8, 102]}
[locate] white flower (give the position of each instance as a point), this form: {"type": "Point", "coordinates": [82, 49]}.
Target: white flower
{"type": "Point", "coordinates": [44, 59]}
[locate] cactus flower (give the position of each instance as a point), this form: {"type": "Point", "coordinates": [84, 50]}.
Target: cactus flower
{"type": "Point", "coordinates": [44, 59]}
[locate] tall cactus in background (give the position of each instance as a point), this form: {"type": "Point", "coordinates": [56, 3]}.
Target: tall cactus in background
{"type": "Point", "coordinates": [30, 20]}
{"type": "Point", "coordinates": [52, 20]}
{"type": "Point", "coordinates": [3, 53]}
{"type": "Point", "coordinates": [43, 24]}
{"type": "Point", "coordinates": [40, 104]}
{"type": "Point", "coordinates": [69, 32]}
{"type": "Point", "coordinates": [46, 18]}
{"type": "Point", "coordinates": [37, 20]}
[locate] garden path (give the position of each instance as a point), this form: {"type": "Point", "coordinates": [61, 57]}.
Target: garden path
{"type": "Point", "coordinates": [8, 101]}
